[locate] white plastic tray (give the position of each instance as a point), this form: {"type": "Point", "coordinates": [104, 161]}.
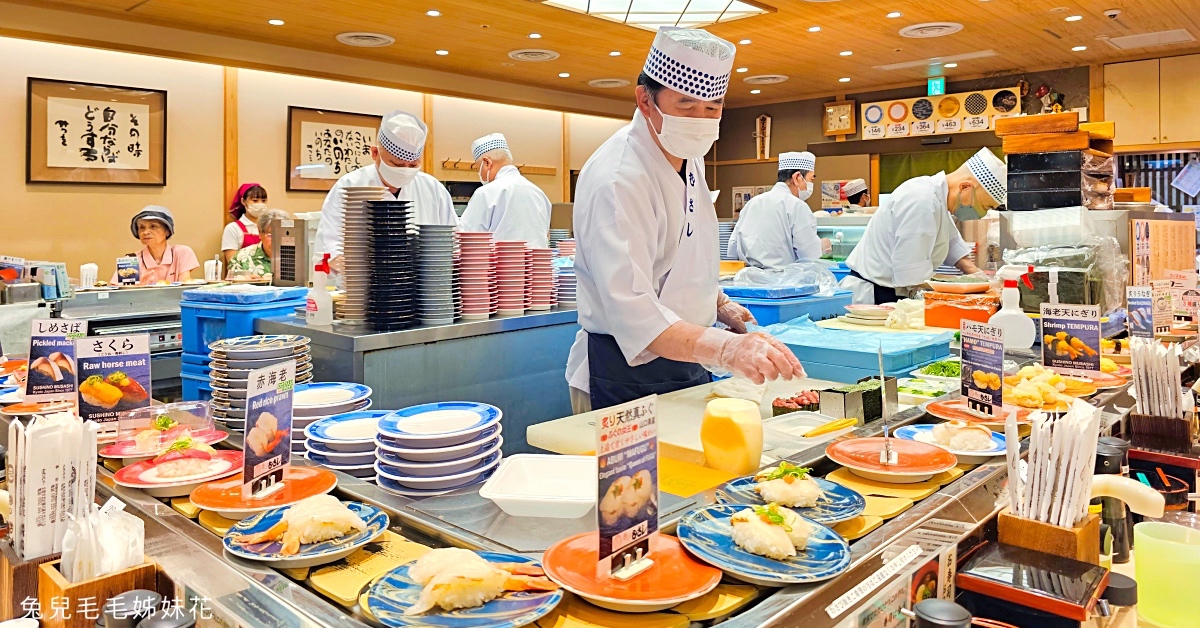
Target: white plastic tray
{"type": "Point", "coordinates": [536, 485]}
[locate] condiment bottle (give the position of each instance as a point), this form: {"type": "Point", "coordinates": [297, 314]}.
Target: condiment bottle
{"type": "Point", "coordinates": [1019, 330]}
{"type": "Point", "coordinates": [732, 436]}
{"type": "Point", "coordinates": [319, 307]}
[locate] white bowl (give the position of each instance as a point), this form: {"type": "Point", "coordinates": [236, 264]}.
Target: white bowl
{"type": "Point", "coordinates": [537, 485]}
{"type": "Point", "coordinates": [392, 463]}
{"type": "Point", "coordinates": [440, 454]}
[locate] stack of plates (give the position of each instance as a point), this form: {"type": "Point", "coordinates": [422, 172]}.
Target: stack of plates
{"type": "Point", "coordinates": [435, 448]}
{"type": "Point", "coordinates": [541, 279]}
{"type": "Point", "coordinates": [477, 275]}
{"type": "Point", "coordinates": [440, 301]}
{"type": "Point", "coordinates": [724, 230]}
{"type": "Point", "coordinates": [949, 271]}
{"type": "Point", "coordinates": [566, 248]}
{"type": "Point", "coordinates": [234, 358]}
{"type": "Point", "coordinates": [566, 286]}
{"type": "Point", "coordinates": [392, 291]}
{"type": "Point", "coordinates": [510, 273]}
{"type": "Point", "coordinates": [313, 402]}
{"type": "Point", "coordinates": [356, 249]}
{"type": "Point", "coordinates": [558, 235]}
{"type": "Point", "coordinates": [344, 442]}
{"type": "Point", "coordinates": [528, 278]}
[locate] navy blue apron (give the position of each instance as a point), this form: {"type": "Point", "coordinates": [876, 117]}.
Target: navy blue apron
{"type": "Point", "coordinates": [883, 294]}
{"type": "Point", "coordinates": [614, 382]}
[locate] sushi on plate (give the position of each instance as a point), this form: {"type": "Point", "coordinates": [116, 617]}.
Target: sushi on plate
{"type": "Point", "coordinates": [131, 390]}
{"type": "Point", "coordinates": [99, 393]}
{"type": "Point", "coordinates": [265, 435]}
{"type": "Point", "coordinates": [772, 531]}
{"type": "Point", "coordinates": [184, 458]}
{"type": "Point", "coordinates": [788, 485]}
{"type": "Point", "coordinates": [455, 578]}
{"type": "Point", "coordinates": [163, 429]}
{"type": "Point", "coordinates": [311, 520]}
{"type": "Point", "coordinates": [962, 436]}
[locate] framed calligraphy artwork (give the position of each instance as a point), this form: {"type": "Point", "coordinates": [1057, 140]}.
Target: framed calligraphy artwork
{"type": "Point", "coordinates": [323, 145]}
{"type": "Point", "coordinates": [85, 133]}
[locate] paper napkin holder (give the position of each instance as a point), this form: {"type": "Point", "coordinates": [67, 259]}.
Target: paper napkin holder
{"type": "Point", "coordinates": [52, 585]}
{"type": "Point", "coordinates": [1081, 542]}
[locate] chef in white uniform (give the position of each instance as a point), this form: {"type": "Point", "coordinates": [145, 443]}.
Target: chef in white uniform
{"type": "Point", "coordinates": [646, 231]}
{"type": "Point", "coordinates": [507, 204]}
{"type": "Point", "coordinates": [857, 195]}
{"type": "Point", "coordinates": [914, 232]}
{"type": "Point", "coordinates": [777, 228]}
{"type": "Point", "coordinates": [397, 167]}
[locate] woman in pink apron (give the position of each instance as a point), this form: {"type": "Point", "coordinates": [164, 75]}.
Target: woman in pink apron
{"type": "Point", "coordinates": [247, 205]}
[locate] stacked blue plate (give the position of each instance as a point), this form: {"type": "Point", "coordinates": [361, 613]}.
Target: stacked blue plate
{"type": "Point", "coordinates": [313, 402]}
{"type": "Point", "coordinates": [344, 442]}
{"type": "Point", "coordinates": [436, 448]}
{"type": "Point", "coordinates": [724, 231]}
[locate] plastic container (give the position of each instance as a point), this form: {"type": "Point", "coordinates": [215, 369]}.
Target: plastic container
{"type": "Point", "coordinates": [732, 436]}
{"type": "Point", "coordinates": [771, 311]}
{"type": "Point", "coordinates": [204, 323]}
{"type": "Point", "coordinates": [769, 292]}
{"type": "Point", "coordinates": [195, 387]}
{"type": "Point", "coordinates": [1168, 558]}
{"type": "Point", "coordinates": [548, 486]}
{"type": "Point", "coordinates": [1019, 330]}
{"type": "Point", "coordinates": [319, 305]}
{"type": "Point", "coordinates": [244, 294]}
{"type": "Point", "coordinates": [948, 311]}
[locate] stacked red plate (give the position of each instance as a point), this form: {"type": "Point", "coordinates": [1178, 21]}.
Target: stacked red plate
{"type": "Point", "coordinates": [541, 281]}
{"type": "Point", "coordinates": [510, 271]}
{"type": "Point", "coordinates": [528, 278]}
{"type": "Point", "coordinates": [477, 274]}
{"type": "Point", "coordinates": [566, 248]}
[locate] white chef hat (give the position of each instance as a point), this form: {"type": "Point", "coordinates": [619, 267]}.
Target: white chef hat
{"type": "Point", "coordinates": [797, 161]}
{"type": "Point", "coordinates": [403, 135]}
{"type": "Point", "coordinates": [691, 61]}
{"type": "Point", "coordinates": [991, 172]}
{"type": "Point", "coordinates": [487, 144]}
{"type": "Point", "coordinates": [854, 186]}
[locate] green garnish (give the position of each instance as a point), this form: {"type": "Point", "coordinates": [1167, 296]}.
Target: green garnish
{"type": "Point", "coordinates": [785, 469]}
{"type": "Point", "coordinates": [944, 368]}
{"type": "Point", "coordinates": [180, 445]}
{"type": "Point", "coordinates": [164, 423]}
{"type": "Point", "coordinates": [773, 516]}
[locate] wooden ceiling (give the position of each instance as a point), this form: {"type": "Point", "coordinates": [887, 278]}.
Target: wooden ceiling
{"type": "Point", "coordinates": [1025, 34]}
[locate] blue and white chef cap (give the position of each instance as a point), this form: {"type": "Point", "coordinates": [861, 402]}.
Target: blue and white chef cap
{"type": "Point", "coordinates": [797, 161]}
{"type": "Point", "coordinates": [691, 61]}
{"type": "Point", "coordinates": [991, 173]}
{"type": "Point", "coordinates": [854, 186]}
{"type": "Point", "coordinates": [488, 143]}
{"type": "Point", "coordinates": [403, 135]}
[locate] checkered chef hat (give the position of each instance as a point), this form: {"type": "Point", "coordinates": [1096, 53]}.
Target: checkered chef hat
{"type": "Point", "coordinates": [854, 186]}
{"type": "Point", "coordinates": [992, 173]}
{"type": "Point", "coordinates": [487, 144]}
{"type": "Point", "coordinates": [403, 135]}
{"type": "Point", "coordinates": [797, 161]}
{"type": "Point", "coordinates": [691, 61]}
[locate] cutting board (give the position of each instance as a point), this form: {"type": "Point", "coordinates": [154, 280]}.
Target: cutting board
{"type": "Point", "coordinates": [916, 491]}
{"type": "Point", "coordinates": [343, 581]}
{"type": "Point", "coordinates": [1046, 142]}
{"type": "Point", "coordinates": [857, 527]}
{"type": "Point", "coordinates": [1065, 122]}
{"type": "Point", "coordinates": [684, 479]}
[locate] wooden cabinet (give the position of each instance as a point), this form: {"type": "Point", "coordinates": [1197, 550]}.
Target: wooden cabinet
{"type": "Point", "coordinates": [1179, 92]}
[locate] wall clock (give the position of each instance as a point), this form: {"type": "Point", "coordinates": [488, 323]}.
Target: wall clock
{"type": "Point", "coordinates": [840, 118]}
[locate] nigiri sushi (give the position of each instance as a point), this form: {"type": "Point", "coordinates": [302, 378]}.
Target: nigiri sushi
{"type": "Point", "coordinates": [761, 530]}
{"type": "Point", "coordinates": [163, 429]}
{"type": "Point", "coordinates": [638, 494]}
{"type": "Point", "coordinates": [465, 585]}
{"type": "Point", "coordinates": [612, 506]}
{"type": "Point", "coordinates": [265, 435]}
{"type": "Point", "coordinates": [789, 485]}
{"type": "Point", "coordinates": [129, 387]}
{"type": "Point", "coordinates": [310, 520]}
{"type": "Point", "coordinates": [438, 560]}
{"type": "Point", "coordinates": [48, 368]}
{"type": "Point", "coordinates": [183, 458]}
{"type": "Point", "coordinates": [962, 436]}
{"type": "Point", "coordinates": [97, 392]}
{"type": "Point", "coordinates": [65, 364]}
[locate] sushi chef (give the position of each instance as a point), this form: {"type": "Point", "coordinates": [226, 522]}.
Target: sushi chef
{"type": "Point", "coordinates": [857, 195]}
{"type": "Point", "coordinates": [397, 156]}
{"type": "Point", "coordinates": [646, 233]}
{"type": "Point", "coordinates": [507, 204]}
{"type": "Point", "coordinates": [914, 231]}
{"type": "Point", "coordinates": [777, 228]}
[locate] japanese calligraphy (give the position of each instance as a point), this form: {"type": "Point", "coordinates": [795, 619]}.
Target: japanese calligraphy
{"type": "Point", "coordinates": [329, 151]}
{"type": "Point", "coordinates": [95, 134]}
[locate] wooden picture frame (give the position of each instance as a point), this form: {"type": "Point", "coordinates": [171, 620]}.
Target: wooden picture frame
{"type": "Point", "coordinates": [99, 134]}
{"type": "Point", "coordinates": [834, 126]}
{"type": "Point", "coordinates": [315, 167]}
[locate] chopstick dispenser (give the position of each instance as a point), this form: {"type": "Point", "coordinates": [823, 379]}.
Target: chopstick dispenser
{"type": "Point", "coordinates": [1080, 542]}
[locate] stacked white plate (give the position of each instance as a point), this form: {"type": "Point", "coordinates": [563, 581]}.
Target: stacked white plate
{"type": "Point", "coordinates": [541, 280]}
{"type": "Point", "coordinates": [558, 235]}
{"type": "Point", "coordinates": [510, 273]}
{"type": "Point", "coordinates": [344, 442]}
{"type": "Point", "coordinates": [724, 230]}
{"type": "Point", "coordinates": [436, 448]}
{"type": "Point", "coordinates": [949, 271]}
{"type": "Point", "coordinates": [313, 402]}
{"type": "Point", "coordinates": [356, 252]}
{"type": "Point", "coordinates": [477, 275]}
{"type": "Point", "coordinates": [565, 280]}
{"type": "Point", "coordinates": [232, 359]}
{"type": "Point", "coordinates": [566, 248]}
{"type": "Point", "coordinates": [439, 300]}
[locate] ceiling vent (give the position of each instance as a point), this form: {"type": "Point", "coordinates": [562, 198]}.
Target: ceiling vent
{"type": "Point", "coordinates": [930, 29]}
{"type": "Point", "coordinates": [920, 63]}
{"type": "Point", "coordinates": [366, 40]}
{"type": "Point", "coordinates": [766, 79]}
{"type": "Point", "coordinates": [608, 83]}
{"type": "Point", "coordinates": [1147, 40]}
{"type": "Point", "coordinates": [533, 54]}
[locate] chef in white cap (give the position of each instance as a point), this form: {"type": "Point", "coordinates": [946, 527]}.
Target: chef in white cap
{"type": "Point", "coordinates": [508, 204]}
{"type": "Point", "coordinates": [857, 195]}
{"type": "Point", "coordinates": [914, 232]}
{"type": "Point", "coordinates": [397, 156]}
{"type": "Point", "coordinates": [646, 231]}
{"type": "Point", "coordinates": [777, 228]}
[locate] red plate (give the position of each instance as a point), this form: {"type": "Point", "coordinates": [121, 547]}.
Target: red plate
{"type": "Point", "coordinates": [11, 366]}
{"type": "Point", "coordinates": [913, 457]}
{"type": "Point", "coordinates": [224, 463]}
{"type": "Point", "coordinates": [298, 483]}
{"type": "Point", "coordinates": [674, 575]}
{"type": "Point", "coordinates": [35, 407]}
{"type": "Point", "coordinates": [1104, 381]}
{"type": "Point", "coordinates": [128, 448]}
{"type": "Point", "coordinates": [957, 410]}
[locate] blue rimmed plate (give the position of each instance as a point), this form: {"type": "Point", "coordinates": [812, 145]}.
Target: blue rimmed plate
{"type": "Point", "coordinates": [310, 554]}
{"type": "Point", "coordinates": [439, 424]}
{"type": "Point", "coordinates": [396, 592]}
{"type": "Point", "coordinates": [708, 534]}
{"type": "Point", "coordinates": [838, 504]}
{"type": "Point", "coordinates": [340, 457]}
{"type": "Point", "coordinates": [258, 347]}
{"type": "Point", "coordinates": [329, 397]}
{"type": "Point", "coordinates": [484, 440]}
{"type": "Point", "coordinates": [924, 434]}
{"type": "Point", "coordinates": [395, 487]}
{"type": "Point", "coordinates": [397, 465]}
{"type": "Point", "coordinates": [349, 432]}
{"type": "Point", "coordinates": [483, 468]}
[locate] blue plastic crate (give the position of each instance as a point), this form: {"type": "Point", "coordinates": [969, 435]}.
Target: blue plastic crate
{"type": "Point", "coordinates": [840, 272]}
{"type": "Point", "coordinates": [195, 387]}
{"type": "Point", "coordinates": [204, 323]}
{"type": "Point", "coordinates": [851, 374]}
{"type": "Point", "coordinates": [769, 292]}
{"type": "Point", "coordinates": [245, 295]}
{"type": "Point", "coordinates": [196, 359]}
{"type": "Point", "coordinates": [195, 369]}
{"type": "Point", "coordinates": [771, 311]}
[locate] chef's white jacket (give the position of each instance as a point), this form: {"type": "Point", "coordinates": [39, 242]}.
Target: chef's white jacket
{"type": "Point", "coordinates": [429, 197]}
{"type": "Point", "coordinates": [646, 247]}
{"type": "Point", "coordinates": [775, 229]}
{"type": "Point", "coordinates": [512, 208]}
{"type": "Point", "coordinates": [910, 235]}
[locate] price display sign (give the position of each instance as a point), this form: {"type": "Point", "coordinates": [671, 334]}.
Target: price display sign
{"type": "Point", "coordinates": [1163, 305]}
{"type": "Point", "coordinates": [114, 377]}
{"type": "Point", "coordinates": [1071, 338]}
{"type": "Point", "coordinates": [268, 443]}
{"type": "Point", "coordinates": [627, 490]}
{"type": "Point", "coordinates": [52, 359]}
{"type": "Point", "coordinates": [1139, 317]}
{"type": "Point", "coordinates": [129, 272]}
{"type": "Point", "coordinates": [983, 367]}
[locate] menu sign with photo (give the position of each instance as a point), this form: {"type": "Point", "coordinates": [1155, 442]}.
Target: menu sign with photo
{"type": "Point", "coordinates": [268, 442]}
{"type": "Point", "coordinates": [114, 377]}
{"type": "Point", "coordinates": [983, 367]}
{"type": "Point", "coordinates": [128, 270]}
{"type": "Point", "coordinates": [1140, 314]}
{"type": "Point", "coordinates": [1071, 338]}
{"type": "Point", "coordinates": [52, 359]}
{"type": "Point", "coordinates": [627, 490]}
{"type": "Point", "coordinates": [1164, 307]}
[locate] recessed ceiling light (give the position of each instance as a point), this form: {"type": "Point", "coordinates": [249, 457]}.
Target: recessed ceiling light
{"type": "Point", "coordinates": [535, 35]}
{"type": "Point", "coordinates": [1079, 48]}
{"type": "Point", "coordinates": [564, 75]}
{"type": "Point", "coordinates": [615, 53]}
{"type": "Point", "coordinates": [744, 42]}
{"type": "Point", "coordinates": [433, 13]}
{"type": "Point", "coordinates": [1073, 18]}
{"type": "Point", "coordinates": [756, 91]}
{"type": "Point", "coordinates": [442, 53]}
{"type": "Point", "coordinates": [846, 53]}
{"type": "Point", "coordinates": [743, 69]}
{"type": "Point", "coordinates": [814, 29]}
{"type": "Point", "coordinates": [366, 40]}
{"type": "Point", "coordinates": [275, 22]}
{"type": "Point", "coordinates": [950, 65]}
{"type": "Point", "coordinates": [895, 14]}
{"type": "Point", "coordinates": [844, 79]}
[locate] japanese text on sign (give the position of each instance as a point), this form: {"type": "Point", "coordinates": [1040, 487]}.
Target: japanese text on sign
{"type": "Point", "coordinates": [1140, 316]}
{"type": "Point", "coordinates": [983, 367]}
{"type": "Point", "coordinates": [627, 482]}
{"type": "Point", "coordinates": [268, 442]}
{"type": "Point", "coordinates": [331, 150]}
{"type": "Point", "coordinates": [96, 134]}
{"type": "Point", "coordinates": [1071, 338]}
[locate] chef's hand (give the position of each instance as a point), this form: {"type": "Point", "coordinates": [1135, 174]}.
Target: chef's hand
{"type": "Point", "coordinates": [733, 314]}
{"type": "Point", "coordinates": [338, 264]}
{"type": "Point", "coordinates": [757, 357]}
{"type": "Point", "coordinates": [826, 246]}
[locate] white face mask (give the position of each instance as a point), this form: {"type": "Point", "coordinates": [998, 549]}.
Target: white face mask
{"type": "Point", "coordinates": [483, 169]}
{"type": "Point", "coordinates": [256, 209]}
{"type": "Point", "coordinates": [395, 176]}
{"type": "Point", "coordinates": [687, 138]}
{"type": "Point", "coordinates": [806, 192]}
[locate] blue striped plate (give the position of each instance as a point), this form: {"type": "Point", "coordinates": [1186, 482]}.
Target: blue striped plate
{"type": "Point", "coordinates": [838, 504]}
{"type": "Point", "coordinates": [310, 554]}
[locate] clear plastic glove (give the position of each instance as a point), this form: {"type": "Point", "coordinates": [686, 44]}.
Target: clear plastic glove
{"type": "Point", "coordinates": [757, 356]}
{"type": "Point", "coordinates": [826, 246]}
{"type": "Point", "coordinates": [338, 264]}
{"type": "Point", "coordinates": [734, 315]}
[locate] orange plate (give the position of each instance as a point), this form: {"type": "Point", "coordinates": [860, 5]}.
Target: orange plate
{"type": "Point", "coordinates": [912, 457]}
{"type": "Point", "coordinates": [298, 483]}
{"type": "Point", "coordinates": [956, 410]}
{"type": "Point", "coordinates": [675, 575]}
{"type": "Point", "coordinates": [36, 407]}
{"type": "Point", "coordinates": [10, 366]}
